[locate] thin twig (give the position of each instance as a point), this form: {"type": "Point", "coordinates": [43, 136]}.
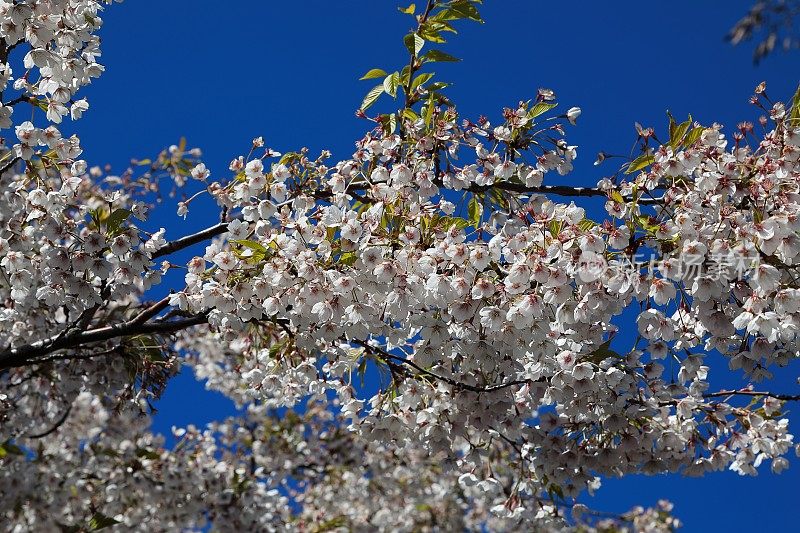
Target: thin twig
{"type": "Point", "coordinates": [455, 383]}
{"type": "Point", "coordinates": [745, 392]}
{"type": "Point", "coordinates": [58, 424]}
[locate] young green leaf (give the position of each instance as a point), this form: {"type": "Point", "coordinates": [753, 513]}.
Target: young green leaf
{"type": "Point", "coordinates": [679, 132]}
{"type": "Point", "coordinates": [693, 135]}
{"type": "Point", "coordinates": [429, 109]}
{"type": "Point", "coordinates": [540, 108]}
{"type": "Point", "coordinates": [409, 114]}
{"type": "Point", "coordinates": [437, 55]}
{"type": "Point", "coordinates": [795, 116]}
{"type": "Point", "coordinates": [390, 84]}
{"type": "Point", "coordinates": [374, 73]}
{"type": "Point", "coordinates": [421, 79]}
{"type": "Point", "coordinates": [389, 123]}
{"type": "Point", "coordinates": [10, 449]}
{"type": "Point", "coordinates": [466, 9]}
{"type": "Point", "coordinates": [115, 220]}
{"type": "Point", "coordinates": [463, 9]}
{"type": "Point", "coordinates": [475, 211]}
{"type": "Point", "coordinates": [408, 10]}
{"type": "Point", "coordinates": [639, 163]}
{"type": "Point", "coordinates": [371, 96]}
{"type": "Point", "coordinates": [414, 43]}
{"type": "Point", "coordinates": [100, 521]}
{"type": "Point", "coordinates": [253, 245]}
{"type": "Point", "coordinates": [431, 35]}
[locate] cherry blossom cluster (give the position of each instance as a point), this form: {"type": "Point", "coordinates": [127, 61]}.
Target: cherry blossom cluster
{"type": "Point", "coordinates": [488, 327]}
{"type": "Point", "coordinates": [249, 473]}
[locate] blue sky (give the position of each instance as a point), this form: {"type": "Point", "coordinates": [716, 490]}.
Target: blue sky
{"type": "Point", "coordinates": [221, 73]}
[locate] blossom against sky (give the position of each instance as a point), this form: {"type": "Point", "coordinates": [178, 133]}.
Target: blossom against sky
{"type": "Point", "coordinates": [226, 73]}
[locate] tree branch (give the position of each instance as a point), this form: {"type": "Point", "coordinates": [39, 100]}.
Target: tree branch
{"type": "Point", "coordinates": [455, 383]}
{"type": "Point", "coordinates": [189, 240]}
{"type": "Point", "coordinates": [58, 424]}
{"type": "Point", "coordinates": [558, 190]}
{"type": "Point", "coordinates": [7, 166]}
{"type": "Point", "coordinates": [746, 392]}
{"type": "Point", "coordinates": [27, 354]}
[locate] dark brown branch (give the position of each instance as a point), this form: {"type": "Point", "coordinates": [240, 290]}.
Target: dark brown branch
{"type": "Point", "coordinates": [80, 356]}
{"type": "Point", "coordinates": [558, 190]}
{"type": "Point", "coordinates": [151, 311]}
{"type": "Point", "coordinates": [190, 240]}
{"type": "Point", "coordinates": [455, 383]}
{"type": "Point", "coordinates": [8, 165]}
{"type": "Point", "coordinates": [18, 99]}
{"type": "Point", "coordinates": [58, 424]}
{"type": "Point", "coordinates": [745, 392]}
{"type": "Point", "coordinates": [520, 188]}
{"type": "Point", "coordinates": [29, 353]}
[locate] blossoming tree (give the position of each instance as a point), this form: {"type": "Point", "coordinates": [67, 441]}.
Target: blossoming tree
{"type": "Point", "coordinates": [444, 259]}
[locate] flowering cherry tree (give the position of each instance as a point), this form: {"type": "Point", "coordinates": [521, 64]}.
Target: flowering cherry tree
{"type": "Point", "coordinates": [445, 259]}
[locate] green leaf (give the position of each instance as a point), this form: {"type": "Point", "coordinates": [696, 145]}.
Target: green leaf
{"type": "Point", "coordinates": [672, 125]}
{"type": "Point", "coordinates": [431, 35]}
{"type": "Point", "coordinates": [438, 85]}
{"type": "Point", "coordinates": [405, 74]}
{"type": "Point", "coordinates": [10, 449]}
{"type": "Point", "coordinates": [100, 521]}
{"type": "Point", "coordinates": [147, 454]}
{"type": "Point", "coordinates": [648, 223]}
{"type": "Point", "coordinates": [408, 10]}
{"type": "Point", "coordinates": [693, 135]}
{"type": "Point", "coordinates": [679, 132]}
{"type": "Point", "coordinates": [329, 525]}
{"type": "Point", "coordinates": [414, 43]}
{"type": "Point", "coordinates": [371, 96]}
{"type": "Point", "coordinates": [419, 80]}
{"type": "Point", "coordinates": [601, 353]}
{"type": "Point", "coordinates": [795, 115]}
{"type": "Point", "coordinates": [463, 9]}
{"type": "Point", "coordinates": [437, 55]}
{"type": "Point", "coordinates": [540, 108]}
{"type": "Point", "coordinates": [439, 26]}
{"type": "Point", "coordinates": [586, 224]}
{"type": "Point", "coordinates": [496, 196]}
{"type": "Point", "coordinates": [276, 348]}
{"type": "Point", "coordinates": [475, 211]}
{"type": "Point", "coordinates": [389, 123]}
{"type": "Point", "coordinates": [253, 245]}
{"type": "Point", "coordinates": [347, 258]}
{"type": "Point", "coordinates": [390, 84]}
{"type": "Point", "coordinates": [429, 109]}
{"type": "Point", "coordinates": [617, 197]}
{"type": "Point", "coordinates": [639, 163]}
{"type": "Point", "coordinates": [409, 114]}
{"type": "Point", "coordinates": [115, 220]}
{"type": "Point", "coordinates": [374, 73]}
{"type": "Point", "coordinates": [449, 222]}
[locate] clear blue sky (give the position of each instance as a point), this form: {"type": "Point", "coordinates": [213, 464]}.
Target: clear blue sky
{"type": "Point", "coordinates": [221, 73]}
